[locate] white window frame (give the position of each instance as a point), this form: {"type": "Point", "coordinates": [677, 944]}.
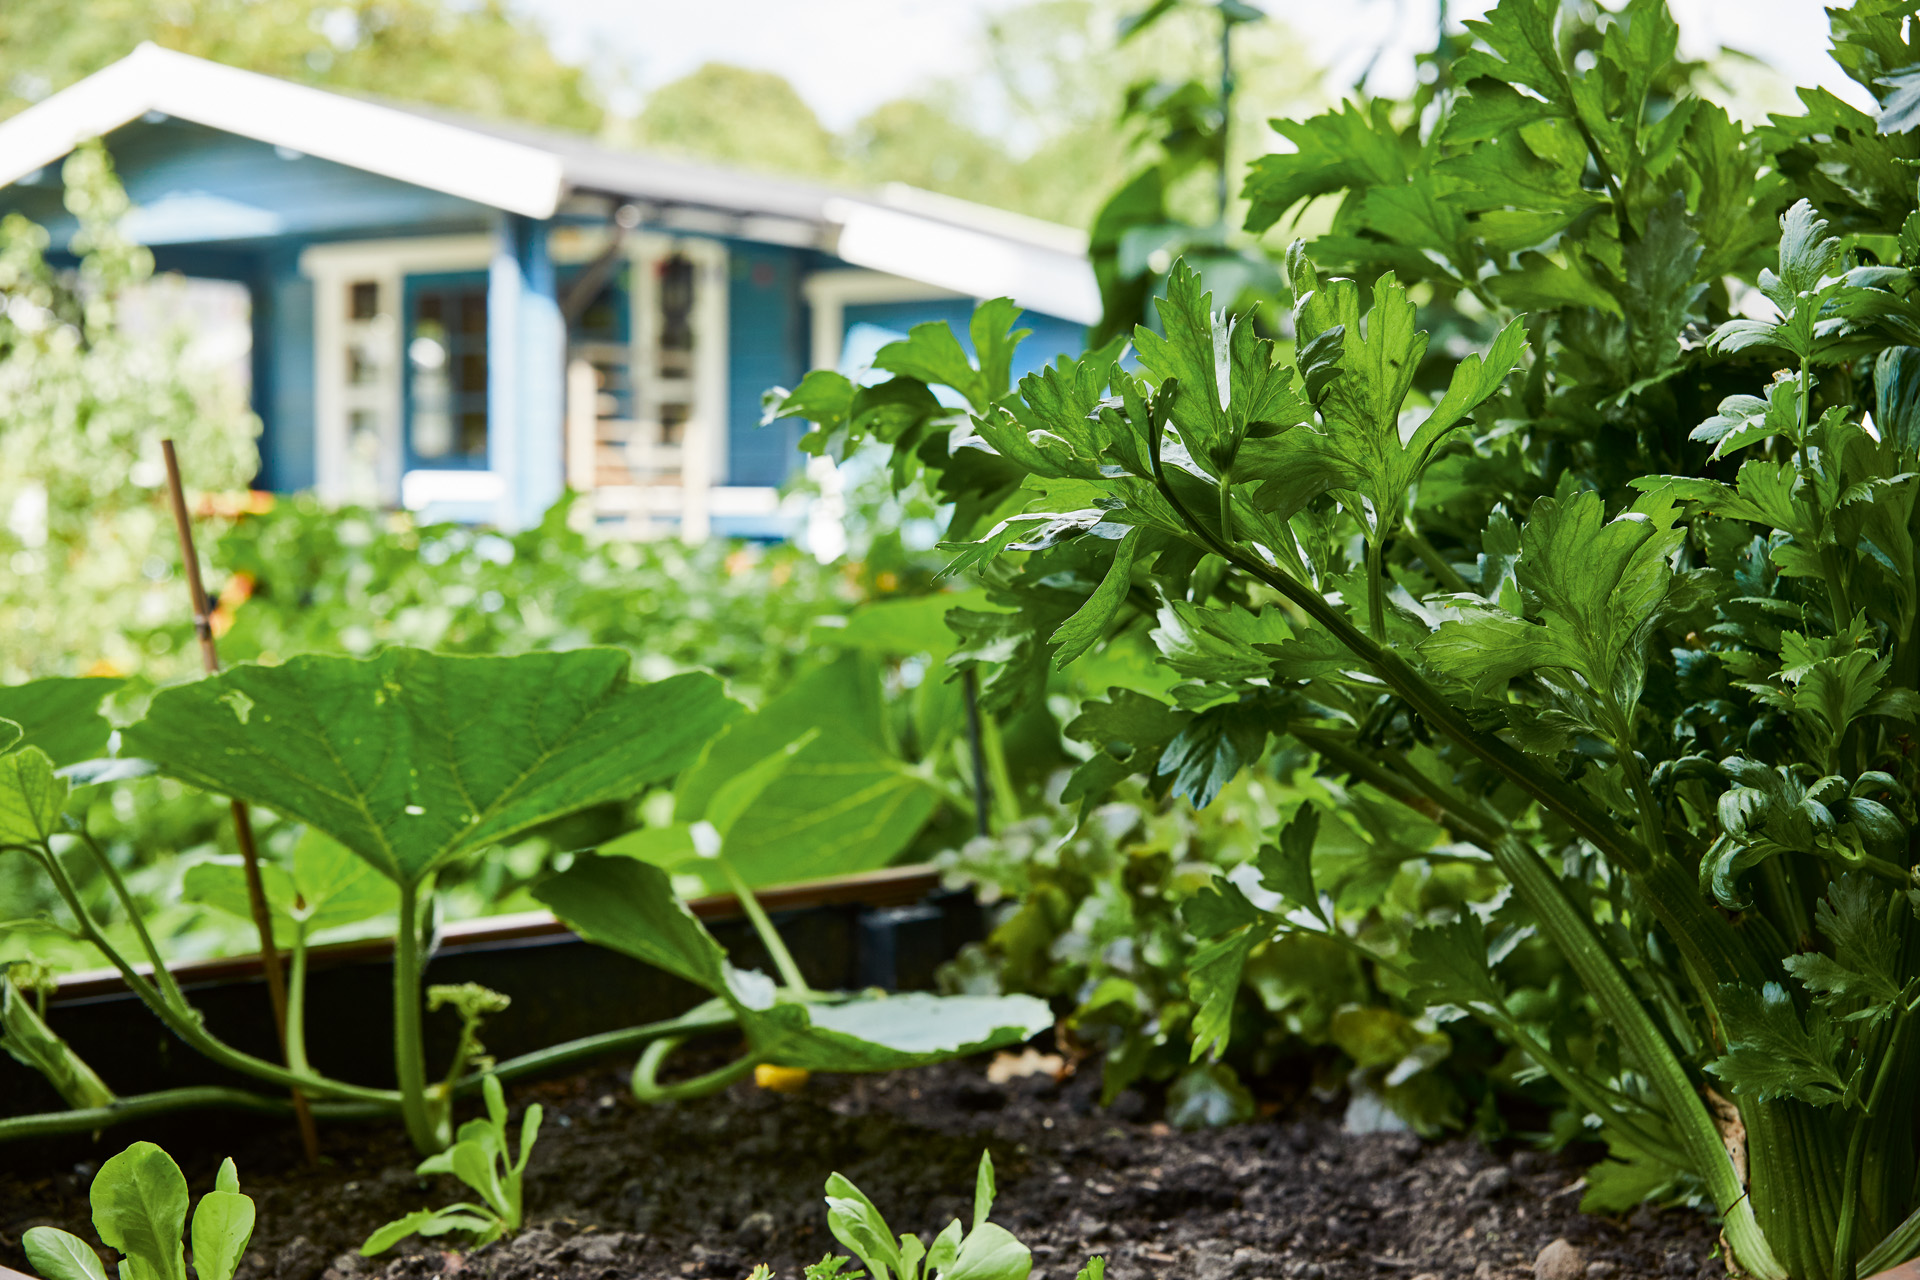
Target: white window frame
{"type": "Point", "coordinates": [829, 293]}
{"type": "Point", "coordinates": [333, 268]}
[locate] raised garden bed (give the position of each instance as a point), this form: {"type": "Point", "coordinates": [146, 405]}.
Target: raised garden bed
{"type": "Point", "coordinates": [708, 1188]}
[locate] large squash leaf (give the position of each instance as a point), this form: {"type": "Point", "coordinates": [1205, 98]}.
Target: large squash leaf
{"type": "Point", "coordinates": [629, 905]}
{"type": "Point", "coordinates": [413, 759]}
{"type": "Point", "coordinates": [61, 716]}
{"type": "Point", "coordinates": [829, 793]}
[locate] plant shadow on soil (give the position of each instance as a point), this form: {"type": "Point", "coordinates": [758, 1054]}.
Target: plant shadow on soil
{"type": "Point", "coordinates": [707, 1188]}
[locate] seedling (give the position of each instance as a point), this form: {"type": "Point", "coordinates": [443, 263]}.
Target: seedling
{"type": "Point", "coordinates": [140, 1208]}
{"type": "Point", "coordinates": [482, 1159]}
{"type": "Point", "coordinates": [984, 1252]}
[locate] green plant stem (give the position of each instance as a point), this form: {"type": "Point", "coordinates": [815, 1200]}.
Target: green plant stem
{"type": "Point", "coordinates": [698, 1021]}
{"type": "Point", "coordinates": [183, 1020]}
{"type": "Point", "coordinates": [1376, 589]}
{"type": "Point", "coordinates": [1563, 921]}
{"type": "Point", "coordinates": [162, 976]}
{"type": "Point", "coordinates": [1444, 572]}
{"type": "Point", "coordinates": [145, 1106]}
{"type": "Point", "coordinates": [769, 936]}
{"type": "Point", "coordinates": [1004, 797]}
{"type": "Point", "coordinates": [646, 1075]}
{"type": "Point", "coordinates": [297, 1001]}
{"type": "Point", "coordinates": [409, 1051]}
{"type": "Point", "coordinates": [1843, 1261]}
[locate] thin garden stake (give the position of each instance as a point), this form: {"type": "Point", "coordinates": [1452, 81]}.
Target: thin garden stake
{"type": "Point", "coordinates": [242, 822]}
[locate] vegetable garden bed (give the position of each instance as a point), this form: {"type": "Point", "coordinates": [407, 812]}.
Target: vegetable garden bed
{"type": "Point", "coordinates": [710, 1187]}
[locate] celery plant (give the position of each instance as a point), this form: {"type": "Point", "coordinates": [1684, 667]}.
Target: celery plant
{"type": "Point", "coordinates": [1675, 714]}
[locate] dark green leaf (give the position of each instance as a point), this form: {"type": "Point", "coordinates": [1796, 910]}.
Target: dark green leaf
{"type": "Point", "coordinates": [1772, 1053]}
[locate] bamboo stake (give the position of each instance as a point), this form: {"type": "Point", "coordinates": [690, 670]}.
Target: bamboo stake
{"type": "Point", "coordinates": [242, 820]}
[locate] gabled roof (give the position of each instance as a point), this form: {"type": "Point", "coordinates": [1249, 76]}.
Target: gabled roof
{"type": "Point", "coordinates": [954, 244]}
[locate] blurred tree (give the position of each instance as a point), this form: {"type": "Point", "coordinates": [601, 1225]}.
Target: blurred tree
{"type": "Point", "coordinates": [754, 119]}
{"type": "Point", "coordinates": [86, 562]}
{"type": "Point", "coordinates": [925, 143]}
{"type": "Point", "coordinates": [485, 57]}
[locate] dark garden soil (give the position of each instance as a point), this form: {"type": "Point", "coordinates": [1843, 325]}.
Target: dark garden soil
{"type": "Point", "coordinates": [707, 1188]}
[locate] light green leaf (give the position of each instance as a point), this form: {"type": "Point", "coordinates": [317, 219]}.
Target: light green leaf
{"type": "Point", "coordinates": [1208, 1095]}
{"type": "Point", "coordinates": [1286, 868]}
{"type": "Point", "coordinates": [893, 1032]}
{"type": "Point", "coordinates": [1083, 630]}
{"type": "Point", "coordinates": [61, 716]}
{"type": "Point", "coordinates": [630, 906]}
{"type": "Point", "coordinates": [222, 1225]}
{"type": "Point", "coordinates": [59, 1255]}
{"type": "Point", "coordinates": [897, 627]}
{"type": "Point", "coordinates": [140, 1208]}
{"type": "Point", "coordinates": [31, 797]}
{"type": "Point", "coordinates": [838, 807]}
{"type": "Point", "coordinates": [983, 1190]}
{"type": "Point", "coordinates": [413, 759]}
{"type": "Point", "coordinates": [860, 1228]}
{"type": "Point", "coordinates": [32, 1043]}
{"type": "Point", "coordinates": [1448, 964]}
{"type": "Point", "coordinates": [1231, 381]}
{"type": "Point", "coordinates": [990, 1252]}
{"type": "Point", "coordinates": [841, 699]}
{"type": "Point", "coordinates": [399, 1229]}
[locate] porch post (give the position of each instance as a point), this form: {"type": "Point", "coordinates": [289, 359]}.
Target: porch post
{"type": "Point", "coordinates": [526, 348]}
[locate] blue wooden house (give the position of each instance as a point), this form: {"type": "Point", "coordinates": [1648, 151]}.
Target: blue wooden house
{"type": "Point", "coordinates": [464, 317]}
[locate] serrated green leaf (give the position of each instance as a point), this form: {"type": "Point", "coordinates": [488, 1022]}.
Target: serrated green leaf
{"type": "Point", "coordinates": [1854, 920]}
{"type": "Point", "coordinates": [1772, 1053]}
{"type": "Point", "coordinates": [1083, 630]}
{"type": "Point", "coordinates": [1286, 867]}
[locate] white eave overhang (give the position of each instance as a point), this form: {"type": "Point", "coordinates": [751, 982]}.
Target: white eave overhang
{"type": "Point", "coordinates": [379, 139]}
{"type": "Point", "coordinates": [947, 243]}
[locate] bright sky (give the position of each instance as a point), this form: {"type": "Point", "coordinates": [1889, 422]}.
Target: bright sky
{"type": "Point", "coordinates": [848, 56]}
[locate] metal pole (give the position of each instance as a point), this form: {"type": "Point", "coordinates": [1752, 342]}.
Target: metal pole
{"type": "Point", "coordinates": [242, 822]}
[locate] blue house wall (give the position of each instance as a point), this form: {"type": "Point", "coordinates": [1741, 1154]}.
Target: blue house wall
{"type": "Point", "coordinates": [767, 343]}
{"type": "Point", "coordinates": [215, 205]}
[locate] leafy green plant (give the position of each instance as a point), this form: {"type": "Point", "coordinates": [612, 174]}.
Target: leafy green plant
{"type": "Point", "coordinates": [1090, 913]}
{"type": "Point", "coordinates": [140, 1208]}
{"type": "Point", "coordinates": [405, 763]}
{"type": "Point", "coordinates": [1659, 677]}
{"type": "Point", "coordinates": [983, 1251]}
{"type": "Point", "coordinates": [482, 1157]}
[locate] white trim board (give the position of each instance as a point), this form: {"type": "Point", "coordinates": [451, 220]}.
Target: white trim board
{"type": "Point", "coordinates": [364, 135]}
{"type": "Point", "coordinates": [387, 263]}
{"type": "Point", "coordinates": [830, 293]}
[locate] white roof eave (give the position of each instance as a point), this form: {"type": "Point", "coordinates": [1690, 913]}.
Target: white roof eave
{"type": "Point", "coordinates": [428, 153]}
{"type": "Point", "coordinates": [977, 263]}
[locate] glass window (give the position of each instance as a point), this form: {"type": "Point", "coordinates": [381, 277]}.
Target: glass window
{"type": "Point", "coordinates": [447, 371]}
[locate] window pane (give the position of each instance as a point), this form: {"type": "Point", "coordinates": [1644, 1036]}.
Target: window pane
{"type": "Point", "coordinates": [447, 370]}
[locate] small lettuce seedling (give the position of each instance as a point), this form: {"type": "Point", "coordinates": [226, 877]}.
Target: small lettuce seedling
{"type": "Point", "coordinates": [140, 1208]}
{"type": "Point", "coordinates": [480, 1158]}
{"type": "Point", "coordinates": [987, 1252]}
